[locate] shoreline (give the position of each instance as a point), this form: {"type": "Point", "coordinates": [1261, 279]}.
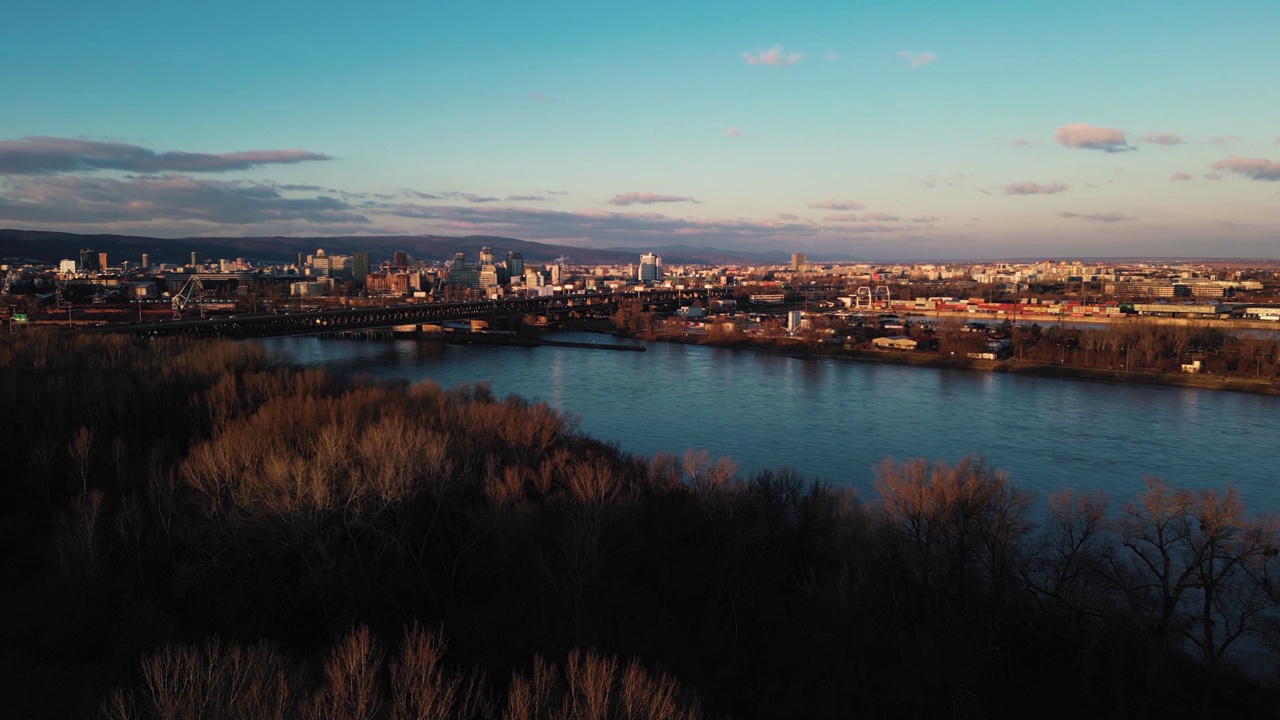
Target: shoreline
{"type": "Point", "coordinates": [1011, 366]}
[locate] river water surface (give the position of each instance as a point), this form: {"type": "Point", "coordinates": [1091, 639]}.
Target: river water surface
{"type": "Point", "coordinates": [835, 420]}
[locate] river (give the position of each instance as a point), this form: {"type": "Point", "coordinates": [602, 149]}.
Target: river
{"type": "Point", "coordinates": [835, 420]}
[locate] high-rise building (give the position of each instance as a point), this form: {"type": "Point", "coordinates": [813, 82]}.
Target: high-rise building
{"type": "Point", "coordinates": [146, 262]}
{"type": "Point", "coordinates": [486, 255]}
{"type": "Point", "coordinates": [89, 261]}
{"type": "Point", "coordinates": [400, 259]}
{"type": "Point", "coordinates": [650, 268]}
{"type": "Point", "coordinates": [798, 262]}
{"type": "Point", "coordinates": [515, 264]}
{"type": "Point", "coordinates": [102, 261]}
{"type": "Point", "coordinates": [360, 267]}
{"type": "Point", "coordinates": [197, 258]}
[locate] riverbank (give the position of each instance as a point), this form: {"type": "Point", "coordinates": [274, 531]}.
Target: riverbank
{"type": "Point", "coordinates": [1011, 366]}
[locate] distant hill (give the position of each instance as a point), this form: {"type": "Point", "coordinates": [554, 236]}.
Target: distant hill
{"type": "Point", "coordinates": [51, 247]}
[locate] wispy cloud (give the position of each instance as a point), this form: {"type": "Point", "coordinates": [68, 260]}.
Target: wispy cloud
{"type": "Point", "coordinates": [469, 197]}
{"type": "Point", "coordinates": [733, 132]}
{"type": "Point", "coordinates": [540, 98]}
{"type": "Point", "coordinates": [832, 204]}
{"type": "Point", "coordinates": [1108, 217]}
{"type": "Point", "coordinates": [925, 219]}
{"type": "Point", "coordinates": [647, 198]}
{"type": "Point", "coordinates": [527, 198]}
{"type": "Point", "coordinates": [788, 216]}
{"type": "Point", "coordinates": [1019, 142]}
{"type": "Point", "coordinates": [1255, 168]}
{"type": "Point", "coordinates": [1213, 176]}
{"type": "Point", "coordinates": [917, 59]}
{"type": "Point", "coordinates": [1033, 188]}
{"type": "Point", "coordinates": [930, 181]}
{"type": "Point", "coordinates": [44, 155]}
{"type": "Point", "coordinates": [76, 199]}
{"type": "Point", "coordinates": [1084, 135]}
{"type": "Point", "coordinates": [1164, 138]}
{"type": "Point", "coordinates": [1180, 176]}
{"type": "Point", "coordinates": [775, 56]}
{"type": "Point", "coordinates": [1224, 140]}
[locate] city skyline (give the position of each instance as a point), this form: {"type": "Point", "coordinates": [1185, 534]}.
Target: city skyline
{"type": "Point", "coordinates": [915, 131]}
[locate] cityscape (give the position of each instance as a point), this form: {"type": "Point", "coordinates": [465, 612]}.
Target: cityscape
{"type": "Point", "coordinates": [667, 361]}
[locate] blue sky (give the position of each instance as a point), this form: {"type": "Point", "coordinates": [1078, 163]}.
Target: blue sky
{"type": "Point", "coordinates": [880, 130]}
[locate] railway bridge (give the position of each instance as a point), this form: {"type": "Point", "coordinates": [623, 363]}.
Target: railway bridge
{"type": "Point", "coordinates": [322, 321]}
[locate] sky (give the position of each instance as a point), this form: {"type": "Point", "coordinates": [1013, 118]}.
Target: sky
{"type": "Point", "coordinates": [904, 130]}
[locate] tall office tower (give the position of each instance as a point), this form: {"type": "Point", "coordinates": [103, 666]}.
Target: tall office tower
{"type": "Point", "coordinates": [650, 268]}
{"type": "Point", "coordinates": [400, 259]}
{"type": "Point", "coordinates": [301, 262]}
{"type": "Point", "coordinates": [515, 264]}
{"type": "Point", "coordinates": [360, 267]}
{"type": "Point", "coordinates": [102, 261]}
{"type": "Point", "coordinates": [798, 262]}
{"type": "Point", "coordinates": [146, 262]}
{"type": "Point", "coordinates": [89, 261]}
{"type": "Point", "coordinates": [486, 255]}
{"type": "Point", "coordinates": [557, 271]}
{"type": "Point", "coordinates": [197, 258]}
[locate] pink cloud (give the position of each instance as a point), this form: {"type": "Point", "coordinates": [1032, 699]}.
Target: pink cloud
{"type": "Point", "coordinates": [1167, 138]}
{"type": "Point", "coordinates": [734, 132]}
{"type": "Point", "coordinates": [917, 59]}
{"type": "Point", "coordinates": [773, 56]}
{"type": "Point", "coordinates": [1107, 217]}
{"type": "Point", "coordinates": [1180, 176]}
{"type": "Point", "coordinates": [1032, 188]}
{"type": "Point", "coordinates": [1255, 168]}
{"type": "Point", "coordinates": [647, 198]}
{"type": "Point", "coordinates": [837, 205]}
{"type": "Point", "coordinates": [1084, 135]}
{"type": "Point", "coordinates": [878, 217]}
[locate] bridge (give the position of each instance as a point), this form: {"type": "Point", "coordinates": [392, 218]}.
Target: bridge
{"type": "Point", "coordinates": [323, 321]}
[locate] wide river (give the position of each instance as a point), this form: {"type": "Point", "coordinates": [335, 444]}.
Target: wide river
{"type": "Point", "coordinates": [836, 420]}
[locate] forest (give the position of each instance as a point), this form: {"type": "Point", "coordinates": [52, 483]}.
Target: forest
{"type": "Point", "coordinates": [197, 529]}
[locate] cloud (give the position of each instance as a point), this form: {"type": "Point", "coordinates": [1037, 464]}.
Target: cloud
{"type": "Point", "coordinates": [1224, 140]}
{"type": "Point", "coordinates": [1084, 135]}
{"type": "Point", "coordinates": [1167, 139]}
{"type": "Point", "coordinates": [1180, 176]}
{"type": "Point", "coordinates": [788, 216]}
{"type": "Point", "coordinates": [1277, 141]}
{"type": "Point", "coordinates": [421, 195]}
{"type": "Point", "coordinates": [469, 197]}
{"type": "Point", "coordinates": [45, 155]}
{"type": "Point", "coordinates": [526, 198]}
{"type": "Point", "coordinates": [1255, 168]}
{"type": "Point", "coordinates": [557, 192]}
{"type": "Point", "coordinates": [773, 56]}
{"type": "Point", "coordinates": [540, 98]}
{"type": "Point", "coordinates": [917, 59]}
{"type": "Point", "coordinates": [733, 132]}
{"type": "Point", "coordinates": [925, 219]}
{"type": "Point", "coordinates": [1213, 176]}
{"type": "Point", "coordinates": [930, 181]}
{"type": "Point", "coordinates": [832, 204]}
{"type": "Point", "coordinates": [1019, 142]}
{"type": "Point", "coordinates": [93, 200]}
{"type": "Point", "coordinates": [865, 217]}
{"type": "Point", "coordinates": [1097, 217]}
{"type": "Point", "coordinates": [1032, 188]}
{"type": "Point", "coordinates": [647, 198]}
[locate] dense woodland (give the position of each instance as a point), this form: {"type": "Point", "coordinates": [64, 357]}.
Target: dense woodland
{"type": "Point", "coordinates": [198, 529]}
